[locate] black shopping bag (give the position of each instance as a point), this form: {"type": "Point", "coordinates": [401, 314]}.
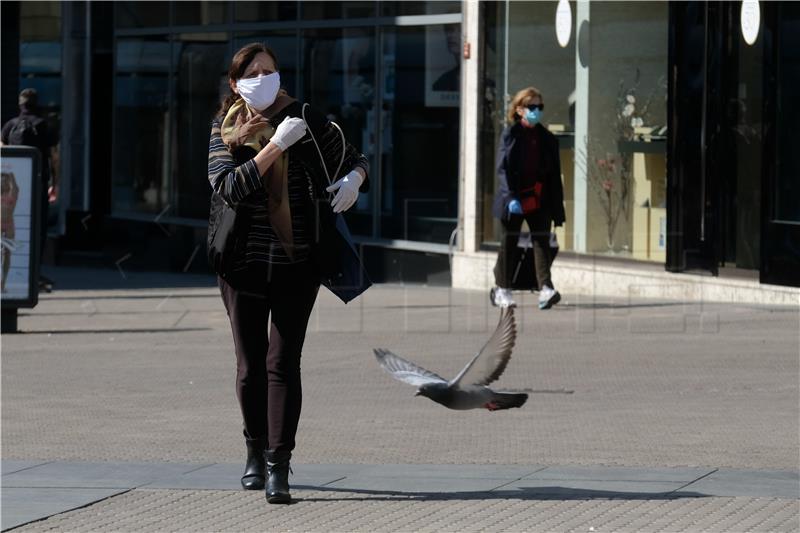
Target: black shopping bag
{"type": "Point", "coordinates": [523, 277]}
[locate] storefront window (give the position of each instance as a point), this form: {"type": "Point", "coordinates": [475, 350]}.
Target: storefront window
{"type": "Point", "coordinates": [200, 13]}
{"type": "Point", "coordinates": [329, 10]}
{"type": "Point", "coordinates": [141, 14]}
{"type": "Point", "coordinates": [626, 145]}
{"type": "Point", "coordinates": [339, 81]}
{"type": "Point", "coordinates": [403, 8]}
{"type": "Point", "coordinates": [264, 11]}
{"type": "Point", "coordinates": [395, 92]}
{"type": "Point", "coordinates": [200, 66]}
{"type": "Point", "coordinates": [787, 190]}
{"type": "Point", "coordinates": [535, 59]}
{"type": "Point", "coordinates": [142, 125]}
{"type": "Point", "coordinates": [40, 69]}
{"type": "Point", "coordinates": [420, 132]}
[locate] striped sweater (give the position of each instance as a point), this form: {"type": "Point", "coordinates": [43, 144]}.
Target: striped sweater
{"type": "Point", "coordinates": [242, 186]}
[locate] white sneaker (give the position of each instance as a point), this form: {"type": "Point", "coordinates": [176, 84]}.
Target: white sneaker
{"type": "Point", "coordinates": [548, 298]}
{"type": "Point", "coordinates": [502, 297]}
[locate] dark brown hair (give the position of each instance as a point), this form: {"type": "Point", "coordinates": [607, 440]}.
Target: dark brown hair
{"type": "Point", "coordinates": [239, 63]}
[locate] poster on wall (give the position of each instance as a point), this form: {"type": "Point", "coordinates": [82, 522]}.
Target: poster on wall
{"type": "Point", "coordinates": [19, 225]}
{"type": "Point", "coordinates": [443, 65]}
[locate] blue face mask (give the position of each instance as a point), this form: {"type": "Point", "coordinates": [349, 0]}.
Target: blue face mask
{"type": "Point", "coordinates": [533, 116]}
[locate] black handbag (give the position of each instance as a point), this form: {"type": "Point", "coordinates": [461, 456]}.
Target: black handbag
{"type": "Point", "coordinates": [335, 257]}
{"type": "Point", "coordinates": [222, 235]}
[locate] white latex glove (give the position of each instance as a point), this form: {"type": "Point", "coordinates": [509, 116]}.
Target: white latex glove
{"type": "Point", "coordinates": [348, 191]}
{"type": "Point", "coordinates": [288, 132]}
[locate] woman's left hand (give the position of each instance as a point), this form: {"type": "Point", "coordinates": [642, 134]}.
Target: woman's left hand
{"type": "Point", "coordinates": [348, 191]}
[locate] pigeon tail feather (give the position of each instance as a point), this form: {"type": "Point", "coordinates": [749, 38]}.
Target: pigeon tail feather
{"type": "Point", "coordinates": [506, 400]}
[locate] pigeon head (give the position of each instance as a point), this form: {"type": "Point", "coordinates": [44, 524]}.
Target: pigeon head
{"type": "Point", "coordinates": [435, 391]}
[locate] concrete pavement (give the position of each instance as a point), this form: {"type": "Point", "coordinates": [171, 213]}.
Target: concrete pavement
{"type": "Point", "coordinates": [672, 415]}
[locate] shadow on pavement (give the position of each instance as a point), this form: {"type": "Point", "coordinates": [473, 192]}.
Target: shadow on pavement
{"type": "Point", "coordinates": [142, 330]}
{"type": "Point", "coordinates": [75, 279]}
{"type": "Point", "coordinates": [607, 305]}
{"type": "Point", "coordinates": [521, 493]}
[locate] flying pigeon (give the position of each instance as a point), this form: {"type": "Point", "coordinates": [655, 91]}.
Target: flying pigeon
{"type": "Point", "coordinates": [468, 390]}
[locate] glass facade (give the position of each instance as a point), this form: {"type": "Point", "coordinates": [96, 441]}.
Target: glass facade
{"type": "Point", "coordinates": [626, 146]}
{"type": "Point", "coordinates": [393, 86]}
{"type": "Point", "coordinates": [390, 74]}
{"type": "Point", "coordinates": [141, 125]}
{"type": "Point", "coordinates": [620, 165]}
{"type": "Point", "coordinates": [40, 51]}
{"type": "Point", "coordinates": [421, 82]}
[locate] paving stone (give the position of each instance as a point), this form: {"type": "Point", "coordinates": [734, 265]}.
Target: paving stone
{"type": "Point", "coordinates": [191, 511]}
{"type": "Point", "coordinates": [93, 475]}
{"type": "Point", "coordinates": [23, 505]}
{"type": "Point", "coordinates": [617, 473]}
{"type": "Point", "coordinates": [9, 466]}
{"type": "Point", "coordinates": [227, 477]}
{"type": "Point", "coordinates": [770, 484]}
{"type": "Point", "coordinates": [132, 385]}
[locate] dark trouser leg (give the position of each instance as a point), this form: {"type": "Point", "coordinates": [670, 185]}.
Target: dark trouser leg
{"type": "Point", "coordinates": [508, 244]}
{"type": "Point", "coordinates": [539, 224]}
{"type": "Point", "coordinates": [6, 265]}
{"type": "Point", "coordinates": [44, 218]}
{"type": "Point", "coordinates": [292, 292]}
{"type": "Point", "coordinates": [248, 315]}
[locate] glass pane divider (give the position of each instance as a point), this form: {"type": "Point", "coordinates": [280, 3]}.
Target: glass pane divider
{"type": "Point", "coordinates": [407, 20]}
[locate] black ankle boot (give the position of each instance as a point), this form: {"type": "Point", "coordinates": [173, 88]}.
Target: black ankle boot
{"type": "Point", "coordinates": [278, 477]}
{"type": "Point", "coordinates": [253, 478]}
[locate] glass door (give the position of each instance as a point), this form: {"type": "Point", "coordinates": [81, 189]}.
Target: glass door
{"type": "Point", "coordinates": [780, 249]}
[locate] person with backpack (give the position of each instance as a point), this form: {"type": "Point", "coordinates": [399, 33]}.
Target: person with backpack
{"type": "Point", "coordinates": [530, 190]}
{"type": "Point", "coordinates": [29, 128]}
{"type": "Point", "coordinates": [270, 159]}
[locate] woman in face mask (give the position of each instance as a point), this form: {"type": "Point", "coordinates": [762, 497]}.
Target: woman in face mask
{"type": "Point", "coordinates": [529, 189]}
{"type": "Point", "coordinates": [262, 162]}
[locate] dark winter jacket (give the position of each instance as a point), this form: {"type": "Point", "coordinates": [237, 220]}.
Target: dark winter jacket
{"type": "Point", "coordinates": [511, 164]}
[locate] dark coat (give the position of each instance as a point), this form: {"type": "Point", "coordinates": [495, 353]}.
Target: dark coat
{"type": "Point", "coordinates": [511, 164]}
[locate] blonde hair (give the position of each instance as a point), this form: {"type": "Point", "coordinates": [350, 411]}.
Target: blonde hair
{"type": "Point", "coordinates": [523, 98]}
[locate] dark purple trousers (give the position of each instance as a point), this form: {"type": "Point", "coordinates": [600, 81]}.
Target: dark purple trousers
{"type": "Point", "coordinates": [268, 365]}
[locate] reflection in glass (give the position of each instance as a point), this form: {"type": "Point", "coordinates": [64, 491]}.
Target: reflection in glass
{"type": "Point", "coordinates": [626, 159]}
{"type": "Point", "coordinates": [420, 121]}
{"type": "Point", "coordinates": [141, 14]}
{"type": "Point", "coordinates": [200, 13]}
{"type": "Point", "coordinates": [402, 8]}
{"type": "Point", "coordinates": [331, 10]}
{"type": "Point", "coordinates": [142, 125]}
{"type": "Point", "coordinates": [40, 68]}
{"type": "Point", "coordinates": [264, 11]}
{"type": "Point", "coordinates": [201, 69]}
{"type": "Point", "coordinates": [339, 81]}
{"type": "Point", "coordinates": [787, 190]}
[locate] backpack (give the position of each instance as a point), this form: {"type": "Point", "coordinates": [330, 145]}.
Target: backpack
{"type": "Point", "coordinates": [24, 133]}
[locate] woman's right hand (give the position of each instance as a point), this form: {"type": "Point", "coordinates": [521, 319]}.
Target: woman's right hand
{"type": "Point", "coordinates": [245, 128]}
{"type": "Point", "coordinates": [288, 132]}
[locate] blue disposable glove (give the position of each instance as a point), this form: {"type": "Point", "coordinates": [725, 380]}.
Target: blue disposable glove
{"type": "Point", "coordinates": [514, 207]}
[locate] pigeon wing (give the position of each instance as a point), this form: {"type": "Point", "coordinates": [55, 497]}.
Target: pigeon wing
{"type": "Point", "coordinates": [491, 361]}
{"type": "Point", "coordinates": [405, 371]}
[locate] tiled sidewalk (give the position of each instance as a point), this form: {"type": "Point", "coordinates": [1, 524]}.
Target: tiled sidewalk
{"type": "Point", "coordinates": [173, 496]}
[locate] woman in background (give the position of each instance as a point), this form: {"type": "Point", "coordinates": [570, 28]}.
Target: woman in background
{"type": "Point", "coordinates": [530, 190]}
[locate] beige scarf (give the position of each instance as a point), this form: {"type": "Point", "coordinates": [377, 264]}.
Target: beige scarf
{"type": "Point", "coordinates": [277, 177]}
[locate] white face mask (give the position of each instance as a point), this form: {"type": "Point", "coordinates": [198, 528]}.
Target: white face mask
{"type": "Point", "coordinates": [260, 92]}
